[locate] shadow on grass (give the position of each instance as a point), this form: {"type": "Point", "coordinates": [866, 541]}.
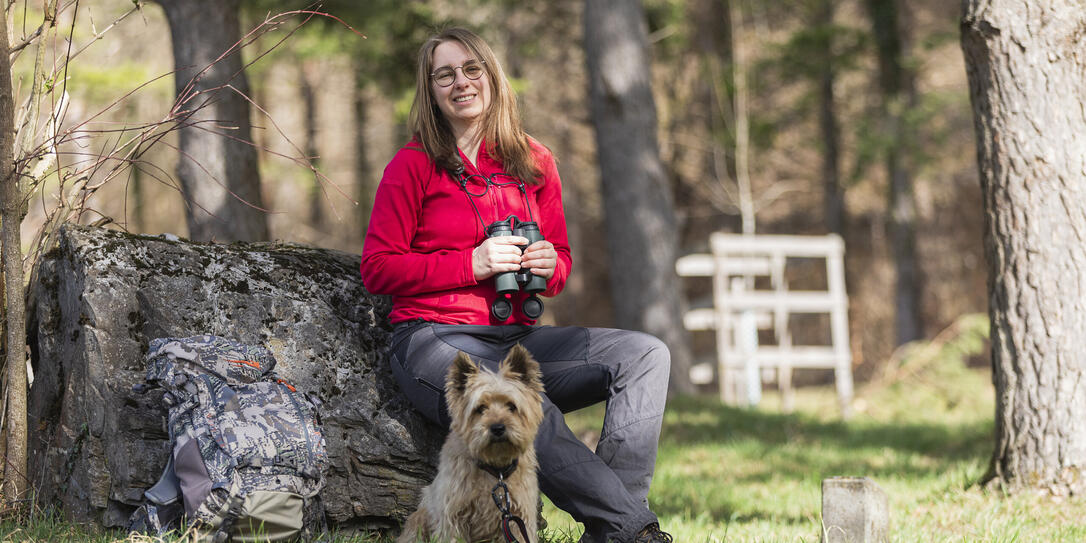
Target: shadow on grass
{"type": "Point", "coordinates": [695, 420]}
{"type": "Point", "coordinates": [744, 465]}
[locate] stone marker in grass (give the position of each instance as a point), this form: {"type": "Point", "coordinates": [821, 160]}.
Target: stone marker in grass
{"type": "Point", "coordinates": [854, 510]}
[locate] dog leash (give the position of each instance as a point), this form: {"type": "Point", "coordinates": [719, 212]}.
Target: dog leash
{"type": "Point", "coordinates": [500, 493]}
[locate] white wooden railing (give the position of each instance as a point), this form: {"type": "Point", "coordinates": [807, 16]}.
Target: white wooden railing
{"type": "Point", "coordinates": [740, 309]}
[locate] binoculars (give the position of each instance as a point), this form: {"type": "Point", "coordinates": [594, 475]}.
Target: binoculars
{"type": "Point", "coordinates": [507, 283]}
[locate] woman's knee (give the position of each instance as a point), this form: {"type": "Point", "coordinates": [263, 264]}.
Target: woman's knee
{"type": "Point", "coordinates": [653, 353]}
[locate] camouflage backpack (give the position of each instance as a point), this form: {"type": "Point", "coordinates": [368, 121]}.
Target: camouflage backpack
{"type": "Point", "coordinates": [247, 459]}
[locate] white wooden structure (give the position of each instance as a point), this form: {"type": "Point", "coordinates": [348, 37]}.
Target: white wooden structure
{"type": "Point", "coordinates": [739, 310]}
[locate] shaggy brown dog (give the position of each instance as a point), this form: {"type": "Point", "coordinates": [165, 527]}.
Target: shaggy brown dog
{"type": "Point", "coordinates": [495, 417]}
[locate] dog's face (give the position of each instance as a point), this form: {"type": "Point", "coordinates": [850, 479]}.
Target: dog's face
{"type": "Point", "coordinates": [496, 414]}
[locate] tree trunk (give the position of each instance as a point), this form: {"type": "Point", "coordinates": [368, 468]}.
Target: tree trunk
{"type": "Point", "coordinates": [640, 221]}
{"type": "Point", "coordinates": [1026, 68]}
{"type": "Point", "coordinates": [833, 195]}
{"type": "Point", "coordinates": [12, 211]}
{"type": "Point", "coordinates": [365, 186]}
{"type": "Point", "coordinates": [218, 163]}
{"type": "Point", "coordinates": [742, 118]}
{"type": "Point", "coordinates": [713, 105]}
{"type": "Point", "coordinates": [136, 204]}
{"type": "Point", "coordinates": [898, 96]}
{"type": "Point", "coordinates": [308, 70]}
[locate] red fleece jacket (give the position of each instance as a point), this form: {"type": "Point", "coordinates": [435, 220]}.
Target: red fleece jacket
{"type": "Point", "coordinates": [423, 229]}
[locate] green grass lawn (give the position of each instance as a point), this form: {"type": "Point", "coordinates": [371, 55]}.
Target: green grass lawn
{"type": "Point", "coordinates": [727, 474]}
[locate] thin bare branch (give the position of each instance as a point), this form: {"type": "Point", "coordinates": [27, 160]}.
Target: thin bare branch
{"type": "Point", "coordinates": [15, 49]}
{"type": "Point", "coordinates": [96, 36]}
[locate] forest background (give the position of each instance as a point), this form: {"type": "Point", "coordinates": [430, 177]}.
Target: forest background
{"type": "Point", "coordinates": [790, 117]}
{"type": "Point", "coordinates": [838, 99]}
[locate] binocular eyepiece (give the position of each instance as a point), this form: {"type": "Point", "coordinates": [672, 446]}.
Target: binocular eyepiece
{"type": "Point", "coordinates": [507, 283]}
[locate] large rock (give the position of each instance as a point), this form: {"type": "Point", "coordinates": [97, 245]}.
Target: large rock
{"type": "Point", "coordinates": [103, 295]}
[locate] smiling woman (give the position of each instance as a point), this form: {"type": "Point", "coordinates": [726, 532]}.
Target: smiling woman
{"type": "Point", "coordinates": [486, 110]}
{"type": "Point", "coordinates": [462, 99]}
{"type": "Point", "coordinates": [452, 215]}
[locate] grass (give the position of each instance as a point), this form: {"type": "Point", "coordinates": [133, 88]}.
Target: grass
{"type": "Point", "coordinates": [925, 437]}
{"type": "Point", "coordinates": [754, 475]}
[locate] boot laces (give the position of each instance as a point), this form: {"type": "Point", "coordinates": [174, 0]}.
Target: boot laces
{"type": "Point", "coordinates": [653, 534]}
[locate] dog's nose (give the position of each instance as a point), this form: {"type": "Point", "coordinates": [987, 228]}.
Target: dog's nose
{"type": "Point", "coordinates": [497, 430]}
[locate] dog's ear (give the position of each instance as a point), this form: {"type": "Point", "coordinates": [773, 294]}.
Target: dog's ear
{"type": "Point", "coordinates": [520, 365]}
{"type": "Point", "coordinates": [461, 371]}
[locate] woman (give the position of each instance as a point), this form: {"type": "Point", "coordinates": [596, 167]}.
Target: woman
{"type": "Point", "coordinates": [470, 165]}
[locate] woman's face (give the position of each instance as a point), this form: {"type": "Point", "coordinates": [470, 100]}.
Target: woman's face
{"type": "Point", "coordinates": [465, 101]}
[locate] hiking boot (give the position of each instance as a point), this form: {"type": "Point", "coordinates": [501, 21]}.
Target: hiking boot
{"type": "Point", "coordinates": [653, 534]}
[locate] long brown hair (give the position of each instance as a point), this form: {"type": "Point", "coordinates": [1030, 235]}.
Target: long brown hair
{"type": "Point", "coordinates": [506, 141]}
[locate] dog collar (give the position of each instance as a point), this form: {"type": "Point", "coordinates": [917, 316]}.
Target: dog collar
{"type": "Point", "coordinates": [500, 473]}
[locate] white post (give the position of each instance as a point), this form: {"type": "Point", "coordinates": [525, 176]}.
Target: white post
{"type": "Point", "coordinates": [725, 332]}
{"type": "Point", "coordinates": [747, 341]}
{"type": "Point", "coordinates": [835, 272]}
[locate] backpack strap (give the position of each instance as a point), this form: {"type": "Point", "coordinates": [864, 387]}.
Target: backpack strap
{"type": "Point", "coordinates": [308, 466]}
{"type": "Point", "coordinates": [162, 508]}
{"type": "Point", "coordinates": [156, 520]}
{"type": "Point", "coordinates": [168, 488]}
{"type": "Point", "coordinates": [229, 519]}
{"type": "Point", "coordinates": [228, 515]}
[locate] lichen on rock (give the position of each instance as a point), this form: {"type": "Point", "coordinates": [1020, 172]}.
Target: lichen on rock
{"type": "Point", "coordinates": [103, 295]}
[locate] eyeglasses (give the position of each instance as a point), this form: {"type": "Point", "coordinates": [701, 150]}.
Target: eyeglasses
{"type": "Point", "coordinates": [479, 185]}
{"type": "Point", "coordinates": [444, 76]}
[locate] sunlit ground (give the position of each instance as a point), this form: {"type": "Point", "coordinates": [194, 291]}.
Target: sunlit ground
{"type": "Point", "coordinates": [726, 474]}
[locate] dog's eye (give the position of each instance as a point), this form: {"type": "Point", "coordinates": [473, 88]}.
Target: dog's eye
{"type": "Point", "coordinates": [512, 407]}
{"type": "Point", "coordinates": [480, 410]}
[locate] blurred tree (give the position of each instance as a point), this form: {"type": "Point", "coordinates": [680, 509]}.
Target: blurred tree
{"type": "Point", "coordinates": [306, 76]}
{"type": "Point", "coordinates": [898, 97]}
{"type": "Point", "coordinates": [816, 53]}
{"type": "Point", "coordinates": [833, 204]}
{"type": "Point", "coordinates": [1025, 66]}
{"type": "Point", "coordinates": [639, 218]}
{"type": "Point", "coordinates": [712, 47]}
{"type": "Point", "coordinates": [383, 62]}
{"type": "Point", "coordinates": [741, 97]}
{"type": "Point", "coordinates": [218, 165]}
{"type": "Point", "coordinates": [741, 113]}
{"type": "Point", "coordinates": [365, 183]}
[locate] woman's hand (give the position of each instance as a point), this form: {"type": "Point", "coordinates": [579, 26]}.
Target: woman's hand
{"type": "Point", "coordinates": [497, 255]}
{"type": "Point", "coordinates": [541, 258]}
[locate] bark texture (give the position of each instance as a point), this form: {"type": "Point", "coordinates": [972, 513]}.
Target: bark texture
{"type": "Point", "coordinates": [102, 296]}
{"type": "Point", "coordinates": [1027, 67]}
{"type": "Point", "coordinates": [833, 193]}
{"type": "Point", "coordinates": [639, 216]}
{"type": "Point", "coordinates": [12, 211]}
{"type": "Point", "coordinates": [218, 163]}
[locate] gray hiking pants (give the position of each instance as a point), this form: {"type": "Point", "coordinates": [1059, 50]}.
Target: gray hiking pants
{"type": "Point", "coordinates": [606, 490]}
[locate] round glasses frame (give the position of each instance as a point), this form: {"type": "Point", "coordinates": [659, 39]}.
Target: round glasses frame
{"type": "Point", "coordinates": [446, 76]}
{"type": "Point", "coordinates": [471, 183]}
